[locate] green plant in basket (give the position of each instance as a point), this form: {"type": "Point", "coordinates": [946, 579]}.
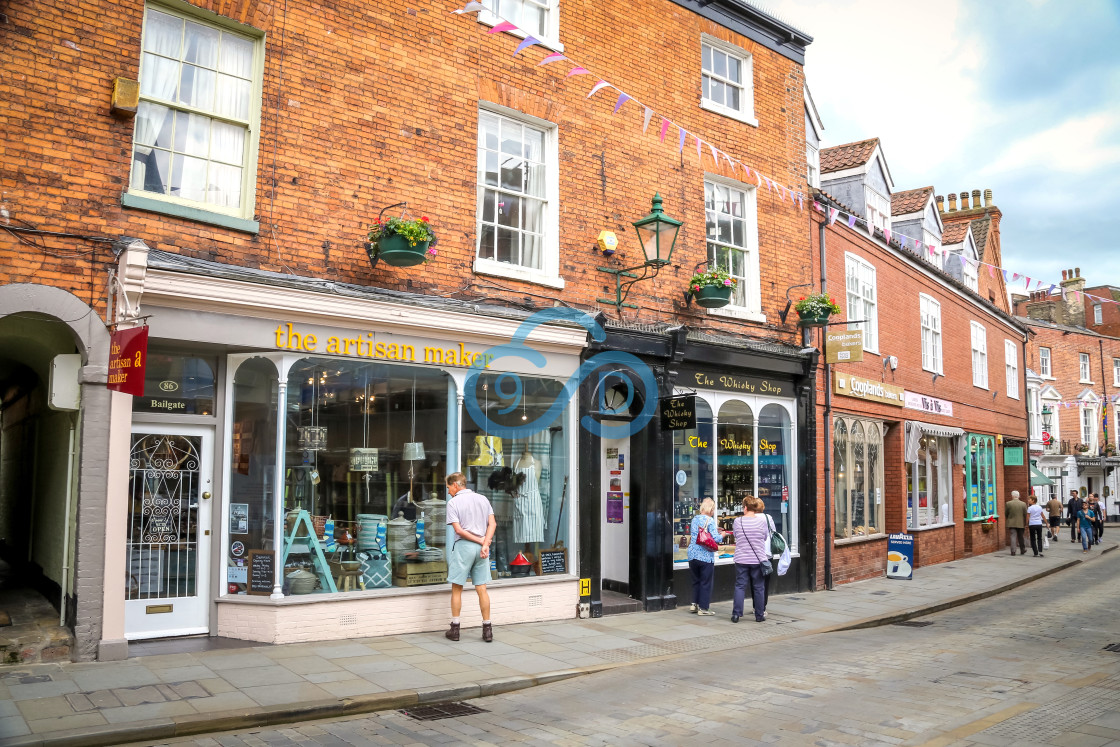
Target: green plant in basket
{"type": "Point", "coordinates": [713, 277]}
{"type": "Point", "coordinates": [816, 305]}
{"type": "Point", "coordinates": [416, 232]}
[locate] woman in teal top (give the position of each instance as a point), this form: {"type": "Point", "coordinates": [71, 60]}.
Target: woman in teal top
{"type": "Point", "coordinates": [1086, 518]}
{"type": "Point", "coordinates": [701, 560]}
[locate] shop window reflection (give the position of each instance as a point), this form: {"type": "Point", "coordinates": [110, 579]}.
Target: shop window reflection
{"type": "Point", "coordinates": [692, 475]}
{"type": "Point", "coordinates": [859, 478]}
{"type": "Point", "coordinates": [736, 464]}
{"type": "Point", "coordinates": [774, 439]}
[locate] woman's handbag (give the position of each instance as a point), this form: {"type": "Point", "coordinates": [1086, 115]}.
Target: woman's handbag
{"type": "Point", "coordinates": [778, 543]}
{"type": "Point", "coordinates": [767, 566]}
{"type": "Point", "coordinates": [705, 539]}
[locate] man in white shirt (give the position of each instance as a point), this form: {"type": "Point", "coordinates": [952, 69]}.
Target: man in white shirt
{"type": "Point", "coordinates": [472, 518]}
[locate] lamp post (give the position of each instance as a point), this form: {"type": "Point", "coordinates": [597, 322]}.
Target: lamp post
{"type": "Point", "coordinates": [657, 234]}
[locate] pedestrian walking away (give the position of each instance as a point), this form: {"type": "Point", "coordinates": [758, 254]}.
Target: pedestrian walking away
{"type": "Point", "coordinates": [472, 517]}
{"type": "Point", "coordinates": [1098, 511]}
{"type": "Point", "coordinates": [752, 553]}
{"type": "Point", "coordinates": [1035, 523]}
{"type": "Point", "coordinates": [1086, 518]}
{"type": "Point", "coordinates": [1072, 507]}
{"type": "Point", "coordinates": [1055, 507]}
{"type": "Point", "coordinates": [701, 560]}
{"type": "Point", "coordinates": [1016, 514]}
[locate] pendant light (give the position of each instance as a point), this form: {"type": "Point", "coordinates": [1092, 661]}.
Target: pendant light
{"type": "Point", "coordinates": [413, 450]}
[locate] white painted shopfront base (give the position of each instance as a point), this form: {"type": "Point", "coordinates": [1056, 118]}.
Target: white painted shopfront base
{"type": "Point", "coordinates": [323, 617]}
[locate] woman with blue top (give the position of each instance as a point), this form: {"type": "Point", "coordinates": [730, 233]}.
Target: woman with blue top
{"type": "Point", "coordinates": [1086, 518]}
{"type": "Point", "coordinates": [701, 560]}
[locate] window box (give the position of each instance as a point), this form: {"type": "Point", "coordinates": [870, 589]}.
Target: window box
{"type": "Point", "coordinates": [712, 296]}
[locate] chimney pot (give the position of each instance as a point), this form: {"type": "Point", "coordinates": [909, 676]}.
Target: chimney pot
{"type": "Point", "coordinates": [952, 202]}
{"type": "Point", "coordinates": [976, 198]}
{"type": "Point", "coordinates": [1077, 272]}
{"type": "Point", "coordinates": [940, 203]}
{"type": "Point", "coordinates": [964, 199]}
{"type": "Point", "coordinates": [1064, 274]}
{"type": "Point", "coordinates": [987, 198]}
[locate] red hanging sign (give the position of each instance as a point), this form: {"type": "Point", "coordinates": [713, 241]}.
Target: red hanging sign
{"type": "Point", "coordinates": [128, 360]}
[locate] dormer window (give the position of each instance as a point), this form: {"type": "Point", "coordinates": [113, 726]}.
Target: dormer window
{"type": "Point", "coordinates": [878, 209]}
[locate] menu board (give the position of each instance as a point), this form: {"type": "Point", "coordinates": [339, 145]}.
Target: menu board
{"type": "Point", "coordinates": [262, 571]}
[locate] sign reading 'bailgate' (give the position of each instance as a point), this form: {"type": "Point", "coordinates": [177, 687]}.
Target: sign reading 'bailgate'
{"type": "Point", "coordinates": [735, 383]}
{"type": "Point", "coordinates": [861, 388]}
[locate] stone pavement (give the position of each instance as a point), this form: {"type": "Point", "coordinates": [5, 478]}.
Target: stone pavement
{"type": "Point", "coordinates": [165, 696]}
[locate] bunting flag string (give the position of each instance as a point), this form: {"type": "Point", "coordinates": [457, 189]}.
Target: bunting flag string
{"type": "Point", "coordinates": [920, 248]}
{"type": "Point", "coordinates": [528, 41]}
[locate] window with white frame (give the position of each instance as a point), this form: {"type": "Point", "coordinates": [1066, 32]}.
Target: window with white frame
{"type": "Point", "coordinates": [1089, 425]}
{"type": "Point", "coordinates": [878, 209]}
{"type": "Point", "coordinates": [1051, 491]}
{"type": "Point", "coordinates": [1086, 373]}
{"type": "Point", "coordinates": [1116, 371]}
{"type": "Point", "coordinates": [931, 334]}
{"type": "Point", "coordinates": [929, 484]}
{"type": "Point", "coordinates": [862, 304]}
{"type": "Point", "coordinates": [813, 158]}
{"type": "Point", "coordinates": [858, 475]}
{"type": "Point", "coordinates": [1011, 369]}
{"type": "Point", "coordinates": [195, 137]}
{"type": "Point", "coordinates": [727, 79]}
{"type": "Point", "coordinates": [1097, 313]}
{"type": "Point", "coordinates": [971, 276]}
{"type": "Point", "coordinates": [732, 239]}
{"type": "Point", "coordinates": [536, 17]}
{"type": "Point", "coordinates": [979, 355]}
{"type": "Point", "coordinates": [1034, 414]}
{"type": "Point", "coordinates": [517, 182]}
{"type": "Point", "coordinates": [1044, 363]}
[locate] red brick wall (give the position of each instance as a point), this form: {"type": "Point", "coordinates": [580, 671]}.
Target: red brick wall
{"type": "Point", "coordinates": [378, 104]}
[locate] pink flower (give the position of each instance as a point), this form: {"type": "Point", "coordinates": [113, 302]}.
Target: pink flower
{"type": "Point", "coordinates": [696, 287]}
{"type": "Point", "coordinates": [727, 282]}
{"type": "Point", "coordinates": [432, 252]}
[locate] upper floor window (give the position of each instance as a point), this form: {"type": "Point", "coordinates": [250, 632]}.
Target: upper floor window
{"type": "Point", "coordinates": [1116, 373]}
{"type": "Point", "coordinates": [1097, 313]}
{"type": "Point", "coordinates": [727, 79]}
{"type": "Point", "coordinates": [1086, 374]}
{"type": "Point", "coordinates": [1089, 425]}
{"type": "Point", "coordinates": [878, 209]}
{"type": "Point", "coordinates": [979, 355]}
{"type": "Point", "coordinates": [931, 334]}
{"type": "Point", "coordinates": [862, 304]}
{"type": "Point", "coordinates": [971, 277]}
{"type": "Point", "coordinates": [732, 239]}
{"type": "Point", "coordinates": [536, 17]}
{"type": "Point", "coordinates": [517, 183]}
{"type": "Point", "coordinates": [1044, 362]}
{"type": "Point", "coordinates": [1011, 362]}
{"type": "Point", "coordinates": [196, 126]}
{"type": "Point", "coordinates": [813, 158]}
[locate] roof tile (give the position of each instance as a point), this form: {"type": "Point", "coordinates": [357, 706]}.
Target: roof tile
{"type": "Point", "coordinates": [848, 155]}
{"type": "Point", "coordinates": [910, 201]}
{"type": "Point", "coordinates": [954, 233]}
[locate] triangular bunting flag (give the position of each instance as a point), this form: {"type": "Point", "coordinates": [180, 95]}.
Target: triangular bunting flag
{"type": "Point", "coordinates": [832, 213]}
{"type": "Point", "coordinates": [680, 144]}
{"type": "Point", "coordinates": [1013, 279]}
{"type": "Point", "coordinates": [964, 262]}
{"type": "Point", "coordinates": [887, 234]}
{"type": "Point", "coordinates": [730, 162]}
{"type": "Point", "coordinates": [598, 87]}
{"type": "Point", "coordinates": [781, 189]}
{"type": "Point", "coordinates": [527, 42]}
{"type": "Point", "coordinates": [471, 7]}
{"type": "Point", "coordinates": [699, 155]}
{"type": "Point", "coordinates": [991, 271]}
{"type": "Point", "coordinates": [1004, 275]}
{"type": "Point", "coordinates": [1028, 285]}
{"type": "Point", "coordinates": [1051, 291]}
{"type": "Point", "coordinates": [622, 99]}
{"type": "Point", "coordinates": [578, 71]}
{"type": "Point", "coordinates": [801, 202]}
{"type": "Point", "coordinates": [648, 116]}
{"type": "Point", "coordinates": [664, 128]}
{"type": "Point", "coordinates": [554, 57]}
{"type": "Point", "coordinates": [817, 206]}
{"type": "Point", "coordinates": [715, 158]}
{"type": "Point", "coordinates": [851, 221]}
{"type": "Point", "coordinates": [502, 26]}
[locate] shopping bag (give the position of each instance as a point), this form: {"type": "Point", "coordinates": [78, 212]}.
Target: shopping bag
{"type": "Point", "coordinates": [784, 561]}
{"type": "Point", "coordinates": [1045, 544]}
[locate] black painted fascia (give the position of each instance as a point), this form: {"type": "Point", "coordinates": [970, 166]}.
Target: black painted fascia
{"type": "Point", "coordinates": [754, 24]}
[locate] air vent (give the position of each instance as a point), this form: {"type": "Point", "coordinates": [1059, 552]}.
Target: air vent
{"type": "Point", "coordinates": [347, 619]}
{"type": "Point", "coordinates": [444, 710]}
{"type": "Point", "coordinates": [536, 600]}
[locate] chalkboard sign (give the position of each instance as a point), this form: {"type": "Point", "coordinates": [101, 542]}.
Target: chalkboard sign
{"type": "Point", "coordinates": [552, 560]}
{"type": "Point", "coordinates": [678, 413]}
{"type": "Point", "coordinates": [262, 571]}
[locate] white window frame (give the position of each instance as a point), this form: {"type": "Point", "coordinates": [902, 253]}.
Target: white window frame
{"type": "Point", "coordinates": [549, 272]}
{"type": "Point", "coordinates": [813, 159]}
{"type": "Point", "coordinates": [751, 283]}
{"type": "Point", "coordinates": [1089, 424]}
{"type": "Point", "coordinates": [878, 208]}
{"type": "Point", "coordinates": [745, 113]}
{"type": "Point", "coordinates": [1098, 313]}
{"type": "Point", "coordinates": [1011, 369]}
{"type": "Point", "coordinates": [944, 468]}
{"type": "Point", "coordinates": [971, 276]}
{"type": "Point", "coordinates": [240, 217]}
{"type": "Point", "coordinates": [1050, 398]}
{"type": "Point", "coordinates": [1116, 371]}
{"type": "Point", "coordinates": [1045, 367]}
{"type": "Point", "coordinates": [1085, 368]}
{"type": "Point", "coordinates": [862, 301]}
{"type": "Point", "coordinates": [550, 38]}
{"type": "Point", "coordinates": [979, 355]}
{"type": "Point", "coordinates": [930, 312]}
{"type": "Point", "coordinates": [1034, 413]}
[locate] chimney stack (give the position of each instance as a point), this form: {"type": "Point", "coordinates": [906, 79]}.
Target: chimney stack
{"type": "Point", "coordinates": [987, 198]}
{"type": "Point", "coordinates": [976, 199]}
{"type": "Point", "coordinates": [940, 203]}
{"type": "Point", "coordinates": [964, 199]}
{"type": "Point", "coordinates": [952, 202]}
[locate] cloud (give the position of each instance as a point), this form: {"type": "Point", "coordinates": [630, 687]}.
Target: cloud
{"type": "Point", "coordinates": [1080, 146]}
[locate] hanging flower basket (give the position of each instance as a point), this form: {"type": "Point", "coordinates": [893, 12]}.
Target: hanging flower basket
{"type": "Point", "coordinates": [986, 526]}
{"type": "Point", "coordinates": [402, 242]}
{"type": "Point", "coordinates": [711, 289]}
{"type": "Point", "coordinates": [814, 310]}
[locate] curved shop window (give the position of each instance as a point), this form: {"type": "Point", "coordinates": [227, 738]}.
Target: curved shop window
{"type": "Point", "coordinates": [858, 486]}
{"type": "Point", "coordinates": [518, 458]}
{"type": "Point", "coordinates": [746, 450]}
{"type": "Point", "coordinates": [980, 476]}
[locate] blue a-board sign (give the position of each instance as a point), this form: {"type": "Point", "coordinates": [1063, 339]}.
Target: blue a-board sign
{"type": "Point", "coordinates": [900, 556]}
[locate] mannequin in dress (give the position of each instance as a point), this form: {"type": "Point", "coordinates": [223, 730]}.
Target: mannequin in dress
{"type": "Point", "coordinates": [528, 507]}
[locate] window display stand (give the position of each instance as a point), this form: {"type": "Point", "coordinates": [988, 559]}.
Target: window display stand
{"type": "Point", "coordinates": [308, 543]}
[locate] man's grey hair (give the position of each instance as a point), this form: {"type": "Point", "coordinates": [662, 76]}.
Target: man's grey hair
{"type": "Point", "coordinates": [1014, 493]}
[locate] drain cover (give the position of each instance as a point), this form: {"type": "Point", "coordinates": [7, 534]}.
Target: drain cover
{"type": "Point", "coordinates": [1113, 647]}
{"type": "Point", "coordinates": [912, 623]}
{"type": "Point", "coordinates": [443, 710]}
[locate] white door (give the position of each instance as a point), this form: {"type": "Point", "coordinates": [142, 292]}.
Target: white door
{"type": "Point", "coordinates": [168, 546]}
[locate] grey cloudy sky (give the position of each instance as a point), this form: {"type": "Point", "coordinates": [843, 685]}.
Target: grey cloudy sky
{"type": "Point", "coordinates": [1018, 96]}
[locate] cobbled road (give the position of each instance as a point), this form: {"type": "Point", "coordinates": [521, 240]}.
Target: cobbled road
{"type": "Point", "coordinates": [1022, 668]}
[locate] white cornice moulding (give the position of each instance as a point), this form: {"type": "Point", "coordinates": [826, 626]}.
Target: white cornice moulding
{"type": "Point", "coordinates": [223, 296]}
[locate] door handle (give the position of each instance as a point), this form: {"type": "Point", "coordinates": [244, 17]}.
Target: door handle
{"type": "Point", "coordinates": [205, 496]}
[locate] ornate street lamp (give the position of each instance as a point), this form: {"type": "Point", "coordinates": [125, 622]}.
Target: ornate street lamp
{"type": "Point", "coordinates": [657, 234]}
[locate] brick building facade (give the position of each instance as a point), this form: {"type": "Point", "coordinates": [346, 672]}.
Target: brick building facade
{"type": "Point", "coordinates": [227, 205]}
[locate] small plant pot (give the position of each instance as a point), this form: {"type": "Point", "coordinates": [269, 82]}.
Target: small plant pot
{"type": "Point", "coordinates": [712, 296]}
{"type": "Point", "coordinates": [397, 252]}
{"type": "Point", "coordinates": [813, 320]}
{"type": "Point", "coordinates": [986, 527]}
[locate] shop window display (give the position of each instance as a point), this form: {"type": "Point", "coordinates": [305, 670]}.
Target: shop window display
{"type": "Point", "coordinates": [980, 476]}
{"type": "Point", "coordinates": [858, 486]}
{"type": "Point", "coordinates": [518, 459]}
{"type": "Point", "coordinates": [692, 470]}
{"type": "Point", "coordinates": [929, 484]}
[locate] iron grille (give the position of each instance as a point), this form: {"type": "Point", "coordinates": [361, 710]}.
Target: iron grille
{"type": "Point", "coordinates": [441, 710]}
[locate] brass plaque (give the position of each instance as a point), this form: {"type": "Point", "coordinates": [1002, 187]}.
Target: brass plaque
{"type": "Point", "coordinates": [159, 609]}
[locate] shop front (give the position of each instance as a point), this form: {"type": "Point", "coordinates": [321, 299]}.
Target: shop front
{"type": "Point", "coordinates": [734, 419]}
{"type": "Point", "coordinates": [288, 460]}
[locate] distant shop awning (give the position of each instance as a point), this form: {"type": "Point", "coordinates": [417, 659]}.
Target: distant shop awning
{"type": "Point", "coordinates": [915, 429]}
{"type": "Point", "coordinates": [1037, 478]}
